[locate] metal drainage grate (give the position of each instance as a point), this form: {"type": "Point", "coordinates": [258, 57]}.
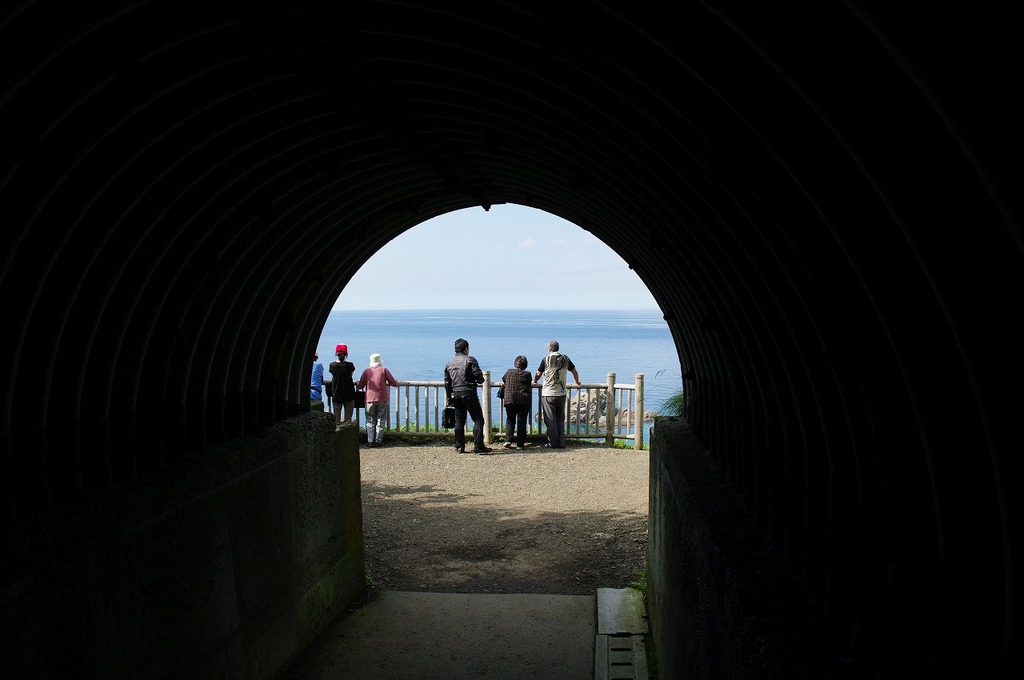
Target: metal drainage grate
{"type": "Point", "coordinates": [620, 657]}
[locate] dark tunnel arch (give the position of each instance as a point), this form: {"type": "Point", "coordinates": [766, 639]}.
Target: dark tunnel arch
{"type": "Point", "coordinates": [834, 177]}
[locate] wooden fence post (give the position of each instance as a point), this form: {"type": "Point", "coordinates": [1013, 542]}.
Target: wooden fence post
{"type": "Point", "coordinates": [638, 439]}
{"type": "Point", "coordinates": [610, 420]}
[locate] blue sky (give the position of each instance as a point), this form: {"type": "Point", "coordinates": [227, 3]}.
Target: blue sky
{"type": "Point", "coordinates": [564, 267]}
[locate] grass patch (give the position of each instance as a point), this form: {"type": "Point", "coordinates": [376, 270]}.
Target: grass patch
{"type": "Point", "coordinates": [675, 405]}
{"type": "Point", "coordinates": [628, 444]}
{"type": "Point", "coordinates": [640, 583]}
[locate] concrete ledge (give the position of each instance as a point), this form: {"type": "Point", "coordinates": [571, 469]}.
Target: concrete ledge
{"type": "Point", "coordinates": [621, 610]}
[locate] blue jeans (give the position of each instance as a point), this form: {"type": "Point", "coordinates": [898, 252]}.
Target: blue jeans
{"type": "Point", "coordinates": [375, 413]}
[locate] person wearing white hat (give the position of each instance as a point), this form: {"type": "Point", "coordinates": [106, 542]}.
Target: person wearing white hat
{"type": "Point", "coordinates": [377, 380]}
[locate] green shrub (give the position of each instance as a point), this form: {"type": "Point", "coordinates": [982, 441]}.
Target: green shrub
{"type": "Point", "coordinates": [674, 405]}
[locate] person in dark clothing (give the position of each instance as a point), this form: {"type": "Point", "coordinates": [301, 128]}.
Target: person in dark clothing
{"type": "Point", "coordinates": [343, 385]}
{"type": "Point", "coordinates": [517, 399]}
{"type": "Point", "coordinates": [461, 376]}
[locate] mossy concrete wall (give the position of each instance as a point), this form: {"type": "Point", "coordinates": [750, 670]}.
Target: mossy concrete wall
{"type": "Point", "coordinates": [225, 566]}
{"type": "Point", "coordinates": [721, 599]}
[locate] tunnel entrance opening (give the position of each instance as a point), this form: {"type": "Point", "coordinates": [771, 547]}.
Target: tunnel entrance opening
{"type": "Point", "coordinates": [565, 523]}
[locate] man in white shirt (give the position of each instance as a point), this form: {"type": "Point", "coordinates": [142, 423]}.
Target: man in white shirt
{"type": "Point", "coordinates": [553, 393]}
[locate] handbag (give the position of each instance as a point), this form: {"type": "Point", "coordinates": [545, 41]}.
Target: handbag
{"type": "Point", "coordinates": [448, 417]}
{"type": "Point", "coordinates": [360, 399]}
{"type": "Point", "coordinates": [501, 393]}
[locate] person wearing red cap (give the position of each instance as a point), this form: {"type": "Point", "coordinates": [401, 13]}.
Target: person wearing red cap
{"type": "Point", "coordinates": [344, 387]}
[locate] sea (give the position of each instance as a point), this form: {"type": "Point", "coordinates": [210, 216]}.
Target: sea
{"type": "Point", "coordinates": [416, 344]}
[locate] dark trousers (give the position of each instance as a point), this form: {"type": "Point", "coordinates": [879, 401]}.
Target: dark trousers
{"type": "Point", "coordinates": [554, 420]}
{"type": "Point", "coordinates": [468, 403]}
{"type": "Point", "coordinates": [515, 422]}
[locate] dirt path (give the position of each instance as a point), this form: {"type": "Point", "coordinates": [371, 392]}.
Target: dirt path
{"type": "Point", "coordinates": [536, 521]}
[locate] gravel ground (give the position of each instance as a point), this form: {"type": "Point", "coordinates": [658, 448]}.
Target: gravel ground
{"type": "Point", "coordinates": [564, 521]}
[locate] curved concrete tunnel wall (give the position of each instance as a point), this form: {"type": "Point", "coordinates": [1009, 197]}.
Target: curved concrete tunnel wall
{"type": "Point", "coordinates": [817, 199]}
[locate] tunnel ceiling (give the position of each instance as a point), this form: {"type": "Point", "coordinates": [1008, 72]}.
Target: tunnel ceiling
{"type": "Point", "coordinates": [819, 198]}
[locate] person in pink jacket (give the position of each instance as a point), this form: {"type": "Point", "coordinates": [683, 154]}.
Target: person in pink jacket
{"type": "Point", "coordinates": [377, 380]}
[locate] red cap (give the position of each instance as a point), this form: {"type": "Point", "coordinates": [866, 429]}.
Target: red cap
{"type": "Point", "coordinates": [341, 349]}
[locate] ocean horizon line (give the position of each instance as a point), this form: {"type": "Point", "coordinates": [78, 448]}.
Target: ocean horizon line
{"type": "Point", "coordinates": [417, 343]}
{"type": "Point", "coordinates": [496, 309]}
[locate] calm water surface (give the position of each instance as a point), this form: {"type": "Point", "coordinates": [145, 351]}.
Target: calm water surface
{"type": "Point", "coordinates": [416, 344]}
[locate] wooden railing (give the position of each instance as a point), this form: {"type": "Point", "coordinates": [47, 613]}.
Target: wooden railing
{"type": "Point", "coordinates": [416, 405]}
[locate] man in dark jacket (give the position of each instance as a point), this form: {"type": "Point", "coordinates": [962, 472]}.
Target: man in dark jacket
{"type": "Point", "coordinates": [461, 376]}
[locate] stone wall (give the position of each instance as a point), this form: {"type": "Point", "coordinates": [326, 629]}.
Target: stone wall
{"type": "Point", "coordinates": [225, 566]}
{"type": "Point", "coordinates": [722, 602]}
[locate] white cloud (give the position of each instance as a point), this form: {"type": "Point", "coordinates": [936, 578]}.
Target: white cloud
{"type": "Point", "coordinates": [528, 243]}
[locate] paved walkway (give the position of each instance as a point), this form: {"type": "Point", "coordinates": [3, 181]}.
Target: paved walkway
{"type": "Point", "coordinates": [446, 636]}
